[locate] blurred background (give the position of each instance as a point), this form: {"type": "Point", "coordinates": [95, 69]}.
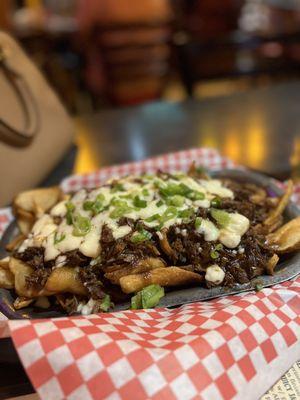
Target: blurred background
{"type": "Point", "coordinates": [110, 54]}
{"type": "Point", "coordinates": [114, 53]}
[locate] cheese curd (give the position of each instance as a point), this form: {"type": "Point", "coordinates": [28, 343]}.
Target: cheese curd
{"type": "Point", "coordinates": [236, 228]}
{"type": "Point", "coordinates": [214, 274]}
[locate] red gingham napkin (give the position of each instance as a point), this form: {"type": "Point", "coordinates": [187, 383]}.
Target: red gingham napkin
{"type": "Point", "coordinates": [228, 348]}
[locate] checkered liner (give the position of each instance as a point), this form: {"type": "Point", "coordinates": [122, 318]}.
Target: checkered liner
{"type": "Point", "coordinates": [228, 348]}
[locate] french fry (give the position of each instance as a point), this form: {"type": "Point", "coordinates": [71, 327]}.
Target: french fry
{"type": "Point", "coordinates": [278, 210]}
{"type": "Point", "coordinates": [170, 276]}
{"type": "Point", "coordinates": [143, 266]}
{"type": "Point", "coordinates": [272, 264]}
{"type": "Point", "coordinates": [22, 302]}
{"type": "Point", "coordinates": [37, 200]}
{"type": "Point", "coordinates": [7, 280]}
{"type": "Point", "coordinates": [4, 263]}
{"type": "Point", "coordinates": [165, 245]}
{"type": "Point", "coordinates": [287, 238]}
{"type": "Point", "coordinates": [21, 271]}
{"type": "Point", "coordinates": [12, 245]}
{"type": "Point", "coordinates": [65, 280]}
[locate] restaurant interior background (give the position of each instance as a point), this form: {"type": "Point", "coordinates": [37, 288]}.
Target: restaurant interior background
{"type": "Point", "coordinates": [115, 53]}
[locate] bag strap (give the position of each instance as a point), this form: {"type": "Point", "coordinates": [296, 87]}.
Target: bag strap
{"type": "Point", "coordinates": [9, 134]}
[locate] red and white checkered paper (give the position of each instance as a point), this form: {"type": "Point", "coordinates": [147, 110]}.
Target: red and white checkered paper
{"type": "Point", "coordinates": [234, 347]}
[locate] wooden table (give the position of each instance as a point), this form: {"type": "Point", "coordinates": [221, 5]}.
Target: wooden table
{"type": "Point", "coordinates": [259, 128]}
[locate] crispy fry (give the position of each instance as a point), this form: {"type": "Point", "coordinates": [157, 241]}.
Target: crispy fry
{"type": "Point", "coordinates": [143, 266]}
{"type": "Point", "coordinates": [170, 276]}
{"type": "Point", "coordinates": [20, 271]}
{"type": "Point", "coordinates": [272, 264]}
{"type": "Point", "coordinates": [276, 213]}
{"type": "Point", "coordinates": [4, 263]}
{"type": "Point", "coordinates": [22, 302]}
{"type": "Point", "coordinates": [7, 280]}
{"type": "Point", "coordinates": [287, 238]}
{"type": "Point", "coordinates": [65, 280]}
{"type": "Point", "coordinates": [37, 200]}
{"type": "Point", "coordinates": [11, 246]}
{"type": "Point", "coordinates": [165, 245]}
{"type": "Point", "coordinates": [277, 224]}
{"type": "Point", "coordinates": [25, 221]}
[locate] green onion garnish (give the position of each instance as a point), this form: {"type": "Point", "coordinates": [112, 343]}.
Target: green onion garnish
{"type": "Point", "coordinates": [196, 196]}
{"type": "Point", "coordinates": [198, 222]}
{"type": "Point", "coordinates": [139, 203]}
{"type": "Point", "coordinates": [186, 214]}
{"type": "Point", "coordinates": [170, 213]}
{"type": "Point", "coordinates": [88, 205]}
{"type": "Point", "coordinates": [136, 301]}
{"type": "Point", "coordinates": [148, 297]}
{"type": "Point", "coordinates": [159, 203]}
{"type": "Point", "coordinates": [57, 238]}
{"type": "Point", "coordinates": [141, 236]}
{"type": "Point", "coordinates": [216, 202]}
{"type": "Point", "coordinates": [70, 208]}
{"type": "Point", "coordinates": [176, 200]}
{"type": "Point", "coordinates": [215, 252]}
{"type": "Point", "coordinates": [145, 192]}
{"type": "Point", "coordinates": [222, 217]}
{"type": "Point", "coordinates": [106, 303]}
{"type": "Point", "coordinates": [154, 217]}
{"type": "Point", "coordinates": [117, 187]}
{"type": "Point", "coordinates": [82, 225]}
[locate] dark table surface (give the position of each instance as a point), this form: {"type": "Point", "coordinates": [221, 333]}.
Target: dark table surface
{"type": "Point", "coordinates": [259, 128]}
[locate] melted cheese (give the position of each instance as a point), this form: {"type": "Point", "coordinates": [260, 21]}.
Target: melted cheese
{"type": "Point", "coordinates": [209, 230]}
{"type": "Point", "coordinates": [232, 234]}
{"type": "Point", "coordinates": [214, 274]}
{"type": "Point", "coordinates": [58, 238]}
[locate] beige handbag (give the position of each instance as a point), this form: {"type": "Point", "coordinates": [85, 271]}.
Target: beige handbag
{"type": "Point", "coordinates": [35, 130]}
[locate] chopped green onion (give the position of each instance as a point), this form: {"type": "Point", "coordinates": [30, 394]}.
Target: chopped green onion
{"type": "Point", "coordinates": [186, 214]}
{"type": "Point", "coordinates": [171, 189]}
{"type": "Point", "coordinates": [148, 297]}
{"type": "Point", "coordinates": [139, 203]}
{"type": "Point", "coordinates": [216, 202]}
{"type": "Point", "coordinates": [145, 192]}
{"type": "Point", "coordinates": [88, 205]}
{"type": "Point", "coordinates": [170, 213]}
{"type": "Point", "coordinates": [106, 303]}
{"type": "Point", "coordinates": [258, 287]}
{"type": "Point", "coordinates": [154, 217]}
{"type": "Point", "coordinates": [118, 187]}
{"type": "Point", "coordinates": [159, 203]}
{"type": "Point", "coordinates": [70, 208]}
{"type": "Point", "coordinates": [136, 301]}
{"type": "Point", "coordinates": [58, 239]}
{"type": "Point", "coordinates": [141, 236]}
{"type": "Point", "coordinates": [196, 196]}
{"type": "Point", "coordinates": [95, 206]}
{"type": "Point", "coordinates": [198, 222]}
{"type": "Point", "coordinates": [177, 201]}
{"type": "Point", "coordinates": [222, 217]}
{"type": "Point", "coordinates": [118, 212]}
{"type": "Point", "coordinates": [82, 225]}
{"type": "Point", "coordinates": [214, 254]}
